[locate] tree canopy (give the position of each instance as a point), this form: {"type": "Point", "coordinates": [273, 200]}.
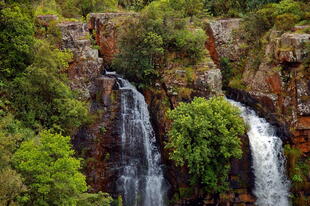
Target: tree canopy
{"type": "Point", "coordinates": [204, 136]}
{"type": "Point", "coordinates": [50, 170]}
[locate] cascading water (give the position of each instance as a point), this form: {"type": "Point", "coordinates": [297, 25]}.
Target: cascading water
{"type": "Point", "coordinates": [271, 184]}
{"type": "Point", "coordinates": [141, 181]}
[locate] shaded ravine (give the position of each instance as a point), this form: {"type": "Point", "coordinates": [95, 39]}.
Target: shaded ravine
{"type": "Point", "coordinates": [271, 184]}
{"type": "Point", "coordinates": [141, 181]}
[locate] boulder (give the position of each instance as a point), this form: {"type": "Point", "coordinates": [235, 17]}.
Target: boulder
{"type": "Point", "coordinates": [222, 42]}
{"type": "Point", "coordinates": [210, 81]}
{"type": "Point", "coordinates": [290, 47]}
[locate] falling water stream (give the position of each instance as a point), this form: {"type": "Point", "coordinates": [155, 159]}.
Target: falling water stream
{"type": "Point", "coordinates": [141, 181]}
{"type": "Point", "coordinates": [271, 184]}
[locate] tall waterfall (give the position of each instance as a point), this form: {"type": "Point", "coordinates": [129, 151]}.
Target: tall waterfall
{"type": "Point", "coordinates": [271, 184]}
{"type": "Point", "coordinates": [141, 180]}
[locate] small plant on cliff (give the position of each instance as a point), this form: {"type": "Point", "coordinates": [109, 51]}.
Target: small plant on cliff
{"type": "Point", "coordinates": [204, 137]}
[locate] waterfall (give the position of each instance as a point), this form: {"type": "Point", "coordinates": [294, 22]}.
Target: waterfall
{"type": "Point", "coordinates": [141, 180]}
{"type": "Point", "coordinates": [271, 184]}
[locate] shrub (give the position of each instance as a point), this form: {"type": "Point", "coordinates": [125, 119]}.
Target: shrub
{"type": "Point", "coordinates": [286, 21]}
{"type": "Point", "coordinates": [204, 137]}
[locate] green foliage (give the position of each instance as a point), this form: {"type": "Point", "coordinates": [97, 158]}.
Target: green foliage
{"type": "Point", "coordinates": [190, 44]}
{"type": "Point", "coordinates": [159, 31]}
{"type": "Point", "coordinates": [234, 8]}
{"type": "Point", "coordinates": [88, 6]}
{"type": "Point", "coordinates": [12, 133]}
{"type": "Point", "coordinates": [42, 97]}
{"type": "Point", "coordinates": [298, 166]}
{"type": "Point", "coordinates": [188, 7]}
{"type": "Point", "coordinates": [50, 170]}
{"type": "Point", "coordinates": [47, 7]}
{"type": "Point", "coordinates": [16, 41]}
{"type": "Point", "coordinates": [11, 186]}
{"type": "Point", "coordinates": [286, 21]}
{"type": "Point", "coordinates": [94, 199]}
{"type": "Point", "coordinates": [226, 69]}
{"type": "Point", "coordinates": [134, 4]}
{"type": "Point", "coordinates": [204, 136]}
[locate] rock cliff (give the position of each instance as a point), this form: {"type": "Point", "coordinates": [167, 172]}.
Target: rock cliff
{"type": "Point", "coordinates": [86, 65]}
{"type": "Point", "coordinates": [279, 89]}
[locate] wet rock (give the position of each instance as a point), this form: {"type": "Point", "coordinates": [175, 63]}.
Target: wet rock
{"type": "Point", "coordinates": [104, 90]}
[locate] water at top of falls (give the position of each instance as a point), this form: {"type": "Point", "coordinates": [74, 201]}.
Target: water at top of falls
{"type": "Point", "coordinates": [271, 184]}
{"type": "Point", "coordinates": [141, 180]}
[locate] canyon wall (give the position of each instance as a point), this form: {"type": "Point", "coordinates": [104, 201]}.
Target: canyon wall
{"type": "Point", "coordinates": [279, 91]}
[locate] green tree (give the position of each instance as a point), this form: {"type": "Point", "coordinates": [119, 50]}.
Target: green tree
{"type": "Point", "coordinates": [205, 136]}
{"type": "Point", "coordinates": [88, 6]}
{"type": "Point", "coordinates": [50, 170]}
{"type": "Point", "coordinates": [16, 41]}
{"type": "Point", "coordinates": [159, 33]}
{"type": "Point", "coordinates": [188, 7]}
{"type": "Point", "coordinates": [41, 95]}
{"type": "Point", "coordinates": [11, 183]}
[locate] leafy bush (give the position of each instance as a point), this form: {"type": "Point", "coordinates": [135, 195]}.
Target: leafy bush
{"type": "Point", "coordinates": [134, 4]}
{"type": "Point", "coordinates": [204, 136]}
{"type": "Point", "coordinates": [188, 7]}
{"type": "Point", "coordinates": [190, 44]}
{"type": "Point", "coordinates": [286, 21]}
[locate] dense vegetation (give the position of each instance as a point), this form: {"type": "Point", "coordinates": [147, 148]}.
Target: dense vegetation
{"type": "Point", "coordinates": [282, 16]}
{"type": "Point", "coordinates": [204, 136]}
{"type": "Point", "coordinates": [39, 111]}
{"type": "Point", "coordinates": [161, 31]}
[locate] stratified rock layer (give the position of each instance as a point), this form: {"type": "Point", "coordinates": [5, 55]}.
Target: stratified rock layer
{"type": "Point", "coordinates": [87, 65]}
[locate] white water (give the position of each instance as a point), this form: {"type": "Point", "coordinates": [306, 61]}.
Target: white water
{"type": "Point", "coordinates": [141, 180]}
{"type": "Point", "coordinates": [271, 184]}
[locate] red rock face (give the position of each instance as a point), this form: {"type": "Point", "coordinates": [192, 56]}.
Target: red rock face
{"type": "Point", "coordinates": [105, 28]}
